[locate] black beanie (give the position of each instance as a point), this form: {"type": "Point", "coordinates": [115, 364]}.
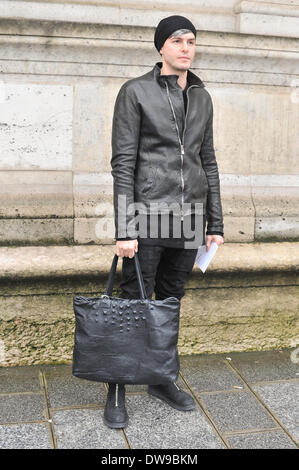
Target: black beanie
{"type": "Point", "coordinates": [169, 25]}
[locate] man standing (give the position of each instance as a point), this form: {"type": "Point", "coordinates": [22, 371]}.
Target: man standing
{"type": "Point", "coordinates": [162, 152]}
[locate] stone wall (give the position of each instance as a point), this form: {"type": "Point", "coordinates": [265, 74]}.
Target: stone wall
{"type": "Point", "coordinates": [247, 299]}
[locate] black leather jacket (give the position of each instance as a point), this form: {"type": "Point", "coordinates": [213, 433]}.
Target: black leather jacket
{"type": "Point", "coordinates": [159, 153]}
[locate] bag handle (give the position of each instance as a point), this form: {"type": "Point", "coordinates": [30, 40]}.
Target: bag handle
{"type": "Point", "coordinates": [139, 277]}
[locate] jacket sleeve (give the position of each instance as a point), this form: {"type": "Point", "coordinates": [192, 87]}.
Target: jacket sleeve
{"type": "Point", "coordinates": [125, 141]}
{"type": "Point", "coordinates": [209, 164]}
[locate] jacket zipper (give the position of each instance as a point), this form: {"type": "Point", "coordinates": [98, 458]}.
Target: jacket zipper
{"type": "Point", "coordinates": [182, 142]}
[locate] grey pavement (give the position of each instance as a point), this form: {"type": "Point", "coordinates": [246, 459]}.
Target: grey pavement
{"type": "Point", "coordinates": [243, 401]}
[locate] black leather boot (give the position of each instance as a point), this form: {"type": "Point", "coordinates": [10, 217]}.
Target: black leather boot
{"type": "Point", "coordinates": [115, 413]}
{"type": "Point", "coordinates": [173, 395]}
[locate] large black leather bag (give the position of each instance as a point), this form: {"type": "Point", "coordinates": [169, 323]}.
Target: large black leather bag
{"type": "Point", "coordinates": [131, 341]}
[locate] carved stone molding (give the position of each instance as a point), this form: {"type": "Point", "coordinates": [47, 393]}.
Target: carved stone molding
{"type": "Point", "coordinates": [273, 19]}
{"type": "Point", "coordinates": [248, 17]}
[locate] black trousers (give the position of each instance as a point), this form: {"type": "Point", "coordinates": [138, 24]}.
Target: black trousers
{"type": "Point", "coordinates": [165, 271]}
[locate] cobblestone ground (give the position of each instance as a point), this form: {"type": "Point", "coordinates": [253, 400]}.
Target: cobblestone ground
{"type": "Point", "coordinates": [244, 400]}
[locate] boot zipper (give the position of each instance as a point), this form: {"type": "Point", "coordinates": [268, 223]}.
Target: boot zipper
{"type": "Point", "coordinates": [116, 395]}
{"type": "Point", "coordinates": [176, 386]}
{"type": "Point", "coordinates": [180, 141]}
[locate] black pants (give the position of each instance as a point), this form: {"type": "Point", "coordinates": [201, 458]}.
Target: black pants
{"type": "Point", "coordinates": [164, 270]}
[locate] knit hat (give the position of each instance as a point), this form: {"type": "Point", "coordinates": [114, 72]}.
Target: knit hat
{"type": "Point", "coordinates": [169, 25]}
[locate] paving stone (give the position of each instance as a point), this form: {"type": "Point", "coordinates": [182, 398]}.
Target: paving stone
{"type": "Point", "coordinates": [64, 389]}
{"type": "Point", "coordinates": [236, 411]}
{"type": "Point", "coordinates": [265, 366]}
{"type": "Point", "coordinates": [282, 398]}
{"type": "Point", "coordinates": [19, 379]}
{"type": "Point", "coordinates": [84, 429]}
{"type": "Point", "coordinates": [155, 425]}
{"type": "Point", "coordinates": [21, 407]}
{"type": "Point", "coordinates": [206, 373]}
{"type": "Point", "coordinates": [264, 440]}
{"type": "Point", "coordinates": [25, 436]}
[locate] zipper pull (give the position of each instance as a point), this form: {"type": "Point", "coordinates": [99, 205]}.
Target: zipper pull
{"type": "Point", "coordinates": [182, 149]}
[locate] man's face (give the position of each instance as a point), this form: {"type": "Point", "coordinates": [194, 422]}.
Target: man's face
{"type": "Point", "coordinates": [178, 51]}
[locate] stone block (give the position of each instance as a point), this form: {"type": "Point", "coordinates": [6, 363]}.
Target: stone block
{"type": "Point", "coordinates": [254, 17]}
{"type": "Point", "coordinates": [255, 257]}
{"type": "Point", "coordinates": [275, 439]}
{"type": "Point", "coordinates": [25, 436]}
{"type": "Point", "coordinates": [51, 262]}
{"type": "Point", "coordinates": [206, 373]}
{"type": "Point", "coordinates": [36, 126]}
{"type": "Point", "coordinates": [100, 231]}
{"type": "Point", "coordinates": [36, 231]}
{"type": "Point", "coordinates": [254, 146]}
{"type": "Point", "coordinates": [276, 201]}
{"type": "Point", "coordinates": [84, 429]}
{"type": "Point", "coordinates": [92, 121]}
{"type": "Point", "coordinates": [282, 398]}
{"type": "Point", "coordinates": [147, 14]}
{"type": "Point", "coordinates": [237, 200]}
{"type": "Point", "coordinates": [13, 408]}
{"type": "Point", "coordinates": [223, 305]}
{"type": "Point", "coordinates": [93, 195]}
{"type": "Point", "coordinates": [151, 419]}
{"type": "Point", "coordinates": [277, 228]}
{"type": "Point", "coordinates": [248, 413]}
{"type": "Point", "coordinates": [36, 194]}
{"type": "Point", "coordinates": [235, 320]}
{"type": "Point", "coordinates": [238, 229]}
{"type": "Point", "coordinates": [19, 380]}
{"type": "Point", "coordinates": [265, 366]}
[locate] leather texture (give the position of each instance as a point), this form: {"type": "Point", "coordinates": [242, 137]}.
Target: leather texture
{"type": "Point", "coordinates": [126, 341]}
{"type": "Point", "coordinates": [173, 395]}
{"type": "Point", "coordinates": [159, 154]}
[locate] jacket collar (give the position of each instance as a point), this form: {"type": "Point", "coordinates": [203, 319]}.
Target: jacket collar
{"type": "Point", "coordinates": [192, 79]}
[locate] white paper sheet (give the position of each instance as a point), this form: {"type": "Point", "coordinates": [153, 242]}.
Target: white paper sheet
{"type": "Point", "coordinates": [204, 257]}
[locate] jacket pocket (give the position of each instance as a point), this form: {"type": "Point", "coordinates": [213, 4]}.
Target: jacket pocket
{"type": "Point", "coordinates": [148, 186]}
{"type": "Point", "coordinates": [149, 183]}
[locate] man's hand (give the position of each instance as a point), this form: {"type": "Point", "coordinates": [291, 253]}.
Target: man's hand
{"type": "Point", "coordinates": [213, 238]}
{"type": "Point", "coordinates": [126, 248]}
